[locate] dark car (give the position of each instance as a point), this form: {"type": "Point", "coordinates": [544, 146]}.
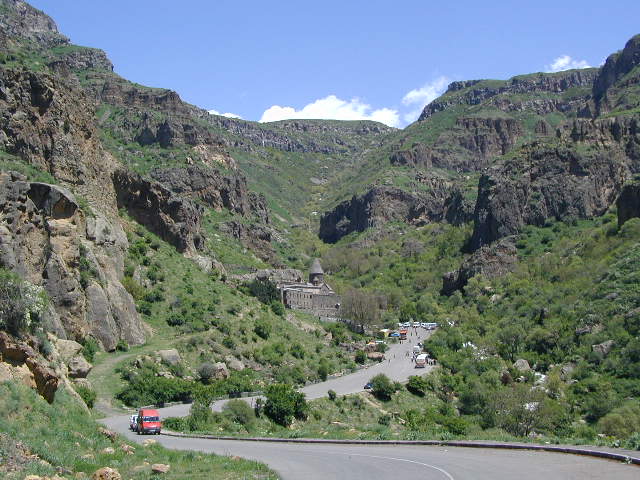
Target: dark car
{"type": "Point", "coordinates": [368, 386]}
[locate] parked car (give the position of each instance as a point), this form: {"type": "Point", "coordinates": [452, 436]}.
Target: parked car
{"type": "Point", "coordinates": [394, 335]}
{"type": "Point", "coordinates": [368, 386]}
{"type": "Point", "coordinates": [133, 423]}
{"type": "Point", "coordinates": [416, 324]}
{"type": "Point", "coordinates": [149, 421]}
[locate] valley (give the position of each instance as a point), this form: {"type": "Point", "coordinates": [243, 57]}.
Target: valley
{"type": "Point", "coordinates": [144, 243]}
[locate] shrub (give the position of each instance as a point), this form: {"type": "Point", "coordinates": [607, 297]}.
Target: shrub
{"type": "Point", "coordinates": [88, 396]}
{"type": "Point", "coordinates": [621, 422]}
{"type": "Point", "coordinates": [381, 387]}
{"type": "Point", "coordinates": [323, 370]}
{"type": "Point", "coordinates": [277, 308]}
{"type": "Point", "coordinates": [417, 385]}
{"type": "Point", "coordinates": [262, 328]}
{"type": "Point", "coordinates": [384, 420]}
{"type": "Point", "coordinates": [283, 404]}
{"type": "Point", "coordinates": [89, 348]}
{"type": "Point", "coordinates": [361, 357]}
{"type": "Point", "coordinates": [239, 411]}
{"type": "Point", "coordinates": [122, 346]}
{"type": "Point", "coordinates": [297, 350]}
{"type": "Point", "coordinates": [332, 395]}
{"type": "Point", "coordinates": [21, 303]}
{"type": "Point", "coordinates": [264, 290]}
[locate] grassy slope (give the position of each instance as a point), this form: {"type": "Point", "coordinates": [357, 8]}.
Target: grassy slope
{"type": "Point", "coordinates": [28, 419]}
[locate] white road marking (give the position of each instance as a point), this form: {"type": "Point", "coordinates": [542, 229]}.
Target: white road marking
{"type": "Point", "coordinates": [444, 472]}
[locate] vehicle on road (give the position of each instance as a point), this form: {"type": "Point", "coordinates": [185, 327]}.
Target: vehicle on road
{"type": "Point", "coordinates": [368, 386]}
{"type": "Point", "coordinates": [421, 360]}
{"type": "Point", "coordinates": [403, 334]}
{"type": "Point", "coordinates": [148, 421]}
{"type": "Point", "coordinates": [417, 349]}
{"type": "Point", "coordinates": [394, 335]}
{"type": "Point", "coordinates": [133, 423]}
{"type": "Point", "coordinates": [416, 324]}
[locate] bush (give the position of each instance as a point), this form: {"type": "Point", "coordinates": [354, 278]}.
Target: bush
{"type": "Point", "coordinates": [323, 370]}
{"type": "Point", "coordinates": [262, 328]}
{"type": "Point", "coordinates": [417, 385]}
{"type": "Point", "coordinates": [283, 404]}
{"type": "Point", "coordinates": [147, 389]}
{"type": "Point", "coordinates": [239, 411]}
{"type": "Point", "coordinates": [277, 308]}
{"type": "Point", "coordinates": [264, 290]}
{"type": "Point", "coordinates": [21, 303]}
{"type": "Point", "coordinates": [384, 420]}
{"type": "Point", "coordinates": [332, 395]}
{"type": "Point", "coordinates": [88, 396]}
{"type": "Point", "coordinates": [361, 357]}
{"type": "Point", "coordinates": [89, 348]}
{"type": "Point", "coordinates": [122, 346]}
{"type": "Point", "coordinates": [381, 387]}
{"type": "Point", "coordinates": [621, 422]}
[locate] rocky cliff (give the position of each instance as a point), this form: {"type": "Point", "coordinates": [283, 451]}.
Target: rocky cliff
{"type": "Point", "coordinates": [441, 202]}
{"type": "Point", "coordinates": [579, 177]}
{"type": "Point", "coordinates": [78, 259]}
{"type": "Point", "coordinates": [469, 145]}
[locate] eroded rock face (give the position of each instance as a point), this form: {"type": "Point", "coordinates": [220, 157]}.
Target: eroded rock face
{"type": "Point", "coordinates": [43, 237]}
{"type": "Point", "coordinates": [628, 202]}
{"type": "Point", "coordinates": [173, 218]}
{"type": "Point", "coordinates": [214, 189]}
{"type": "Point", "coordinates": [45, 379]}
{"type": "Point", "coordinates": [489, 261]}
{"type": "Point", "coordinates": [472, 92]}
{"type": "Point", "coordinates": [470, 145]}
{"type": "Point", "coordinates": [443, 202]}
{"type": "Point", "coordinates": [545, 183]}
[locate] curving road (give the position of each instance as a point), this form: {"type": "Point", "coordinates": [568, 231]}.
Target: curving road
{"type": "Point", "coordinates": [383, 462]}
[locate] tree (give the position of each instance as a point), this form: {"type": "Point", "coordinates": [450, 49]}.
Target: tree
{"type": "Point", "coordinates": [382, 387]}
{"type": "Point", "coordinates": [360, 307]}
{"type": "Point", "coordinates": [264, 290]}
{"type": "Point", "coordinates": [361, 357]}
{"type": "Point", "coordinates": [284, 404]}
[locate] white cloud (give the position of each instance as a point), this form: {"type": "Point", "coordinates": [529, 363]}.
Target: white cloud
{"type": "Point", "coordinates": [418, 98]}
{"type": "Point", "coordinates": [333, 108]}
{"type": "Point", "coordinates": [565, 62]}
{"type": "Point", "coordinates": [230, 115]}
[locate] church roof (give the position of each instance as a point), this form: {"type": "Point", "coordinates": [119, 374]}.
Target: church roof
{"type": "Point", "coordinates": [316, 267]}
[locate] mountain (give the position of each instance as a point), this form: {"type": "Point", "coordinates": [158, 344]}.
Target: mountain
{"type": "Point", "coordinates": [506, 212]}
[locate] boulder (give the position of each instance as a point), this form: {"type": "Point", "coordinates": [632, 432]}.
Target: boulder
{"type": "Point", "coordinates": [79, 367]}
{"type": "Point", "coordinates": [220, 371]}
{"type": "Point", "coordinates": [106, 473]}
{"type": "Point", "coordinates": [522, 365]}
{"type": "Point", "coordinates": [67, 349]}
{"type": "Point", "coordinates": [170, 357]}
{"type": "Point", "coordinates": [375, 356]}
{"type": "Point", "coordinates": [603, 348]}
{"type": "Point", "coordinates": [233, 363]}
{"type": "Point", "coordinates": [160, 468]}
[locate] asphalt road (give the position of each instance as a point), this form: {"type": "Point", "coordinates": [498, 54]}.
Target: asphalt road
{"type": "Point", "coordinates": [389, 462]}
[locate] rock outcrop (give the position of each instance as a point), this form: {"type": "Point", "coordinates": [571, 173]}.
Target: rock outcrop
{"type": "Point", "coordinates": [173, 218]}
{"type": "Point", "coordinates": [470, 145]}
{"type": "Point", "coordinates": [628, 202]}
{"type": "Point", "coordinates": [44, 235]}
{"type": "Point", "coordinates": [14, 354]}
{"type": "Point", "coordinates": [474, 92]}
{"type": "Point", "coordinates": [489, 261]}
{"type": "Point", "coordinates": [614, 76]}
{"type": "Point", "coordinates": [542, 183]}
{"type": "Point", "coordinates": [443, 202]}
{"type": "Point", "coordinates": [216, 190]}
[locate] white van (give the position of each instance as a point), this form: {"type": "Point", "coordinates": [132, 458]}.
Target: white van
{"type": "Point", "coordinates": [421, 360]}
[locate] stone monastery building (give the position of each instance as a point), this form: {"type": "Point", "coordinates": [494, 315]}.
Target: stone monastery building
{"type": "Point", "coordinates": [315, 296]}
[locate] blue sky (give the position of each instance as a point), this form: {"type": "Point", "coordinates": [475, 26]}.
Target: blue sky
{"type": "Point", "coordinates": [338, 59]}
